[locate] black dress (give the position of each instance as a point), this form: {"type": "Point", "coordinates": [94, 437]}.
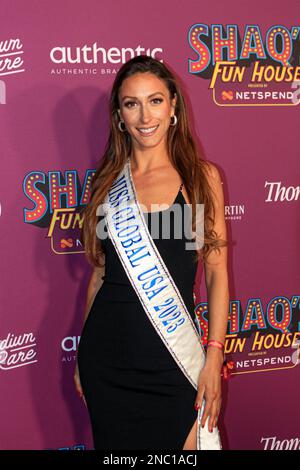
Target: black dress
{"type": "Point", "coordinates": [137, 396]}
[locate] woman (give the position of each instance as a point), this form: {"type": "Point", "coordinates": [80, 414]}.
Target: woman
{"type": "Point", "coordinates": [136, 394]}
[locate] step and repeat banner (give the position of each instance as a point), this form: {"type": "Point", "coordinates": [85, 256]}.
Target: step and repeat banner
{"type": "Point", "coordinates": [240, 70]}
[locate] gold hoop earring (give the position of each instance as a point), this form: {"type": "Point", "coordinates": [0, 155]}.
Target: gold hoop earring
{"type": "Point", "coordinates": [175, 120]}
{"type": "Point", "coordinates": [120, 126]}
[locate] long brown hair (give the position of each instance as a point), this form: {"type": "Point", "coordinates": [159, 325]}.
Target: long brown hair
{"type": "Point", "coordinates": [183, 155]}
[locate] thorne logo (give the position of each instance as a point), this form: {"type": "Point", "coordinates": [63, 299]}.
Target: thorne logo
{"type": "Point", "coordinates": [277, 192]}
{"type": "Point", "coordinates": [94, 55]}
{"type": "Point", "coordinates": [17, 351]}
{"type": "Point", "coordinates": [272, 443]}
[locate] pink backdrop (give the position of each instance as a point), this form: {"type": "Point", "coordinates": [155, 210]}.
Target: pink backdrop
{"type": "Point", "coordinates": [54, 125]}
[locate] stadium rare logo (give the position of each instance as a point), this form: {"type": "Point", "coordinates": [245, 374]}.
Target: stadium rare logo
{"type": "Point", "coordinates": [58, 201]}
{"type": "Point", "coordinates": [17, 350]}
{"type": "Point", "coordinates": [248, 71]}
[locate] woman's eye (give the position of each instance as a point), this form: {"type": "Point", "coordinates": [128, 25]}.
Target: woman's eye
{"type": "Point", "coordinates": [129, 103]}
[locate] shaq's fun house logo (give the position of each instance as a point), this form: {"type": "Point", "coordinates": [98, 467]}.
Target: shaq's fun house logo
{"type": "Point", "coordinates": [248, 71]}
{"type": "Point", "coordinates": [259, 339]}
{"type": "Point", "coordinates": [55, 202]}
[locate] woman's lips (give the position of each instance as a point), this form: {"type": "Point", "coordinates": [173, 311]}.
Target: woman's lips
{"type": "Point", "coordinates": [148, 134]}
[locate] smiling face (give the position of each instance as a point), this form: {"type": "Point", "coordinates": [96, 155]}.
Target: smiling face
{"type": "Point", "coordinates": [146, 109]}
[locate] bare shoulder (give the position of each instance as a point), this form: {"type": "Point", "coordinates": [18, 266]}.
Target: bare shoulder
{"type": "Point", "coordinates": [213, 173]}
{"type": "Point", "coordinates": [215, 183]}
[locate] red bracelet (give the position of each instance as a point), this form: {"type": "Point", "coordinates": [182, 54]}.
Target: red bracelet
{"type": "Point", "coordinates": [227, 366]}
{"type": "Point", "coordinates": [213, 342]}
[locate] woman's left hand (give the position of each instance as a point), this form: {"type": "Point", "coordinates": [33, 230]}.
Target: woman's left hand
{"type": "Point", "coordinates": [209, 386]}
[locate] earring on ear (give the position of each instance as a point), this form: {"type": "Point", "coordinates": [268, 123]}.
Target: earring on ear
{"type": "Point", "coordinates": [175, 120]}
{"type": "Point", "coordinates": [120, 126]}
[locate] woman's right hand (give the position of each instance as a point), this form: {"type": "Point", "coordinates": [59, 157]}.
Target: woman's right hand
{"type": "Point", "coordinates": [78, 384]}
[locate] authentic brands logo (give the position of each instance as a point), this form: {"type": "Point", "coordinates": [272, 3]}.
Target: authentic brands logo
{"type": "Point", "coordinates": [247, 71]}
{"type": "Point", "coordinates": [93, 59]}
{"type": "Point", "coordinates": [57, 203]}
{"type": "Point", "coordinates": [69, 346]}
{"type": "Point", "coordinates": [260, 339]}
{"type": "Point", "coordinates": [17, 351]}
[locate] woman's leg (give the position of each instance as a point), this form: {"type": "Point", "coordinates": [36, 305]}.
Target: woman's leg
{"type": "Point", "coordinates": [191, 440]}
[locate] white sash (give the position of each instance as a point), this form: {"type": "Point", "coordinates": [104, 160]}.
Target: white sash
{"type": "Point", "coordinates": [155, 288]}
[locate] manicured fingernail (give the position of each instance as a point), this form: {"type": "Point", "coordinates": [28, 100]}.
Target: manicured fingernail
{"type": "Point", "coordinates": [197, 406]}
